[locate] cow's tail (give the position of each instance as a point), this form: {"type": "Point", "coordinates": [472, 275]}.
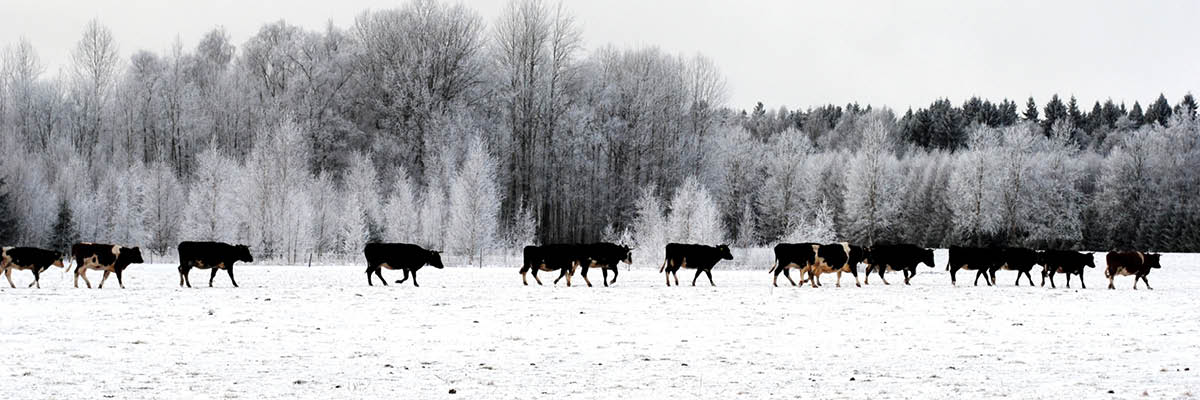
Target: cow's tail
{"type": "Point", "coordinates": [773, 267]}
{"type": "Point", "coordinates": [664, 266]}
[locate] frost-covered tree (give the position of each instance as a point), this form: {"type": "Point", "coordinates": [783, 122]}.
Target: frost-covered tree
{"type": "Point", "coordinates": [361, 186]}
{"type": "Point", "coordinates": [212, 196]}
{"type": "Point", "coordinates": [474, 204]}
{"type": "Point", "coordinates": [275, 167]}
{"type": "Point", "coordinates": [694, 217]}
{"type": "Point", "coordinates": [816, 229]}
{"type": "Point", "coordinates": [788, 184]}
{"type": "Point", "coordinates": [8, 221]}
{"type": "Point", "coordinates": [523, 229]}
{"type": "Point", "coordinates": [1015, 180]}
{"type": "Point", "coordinates": [433, 218]}
{"type": "Point", "coordinates": [325, 209]}
{"type": "Point", "coordinates": [353, 228]}
{"type": "Point", "coordinates": [972, 189]}
{"type": "Point", "coordinates": [400, 214]}
{"type": "Point", "coordinates": [650, 230]}
{"type": "Point", "coordinates": [872, 187]}
{"type": "Point", "coordinates": [747, 233]}
{"type": "Point", "coordinates": [162, 203]}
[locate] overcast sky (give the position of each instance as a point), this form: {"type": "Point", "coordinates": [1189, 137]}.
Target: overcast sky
{"type": "Point", "coordinates": [794, 53]}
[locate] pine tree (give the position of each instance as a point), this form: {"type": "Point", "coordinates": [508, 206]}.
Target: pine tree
{"type": "Point", "coordinates": [1031, 111]}
{"type": "Point", "coordinates": [1136, 116]}
{"type": "Point", "coordinates": [1159, 112]}
{"type": "Point", "coordinates": [8, 218]}
{"type": "Point", "coordinates": [63, 235]}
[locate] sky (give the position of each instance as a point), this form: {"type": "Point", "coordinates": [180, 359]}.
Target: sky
{"type": "Point", "coordinates": [797, 54]}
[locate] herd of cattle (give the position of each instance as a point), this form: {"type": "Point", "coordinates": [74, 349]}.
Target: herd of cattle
{"type": "Point", "coordinates": [811, 260]}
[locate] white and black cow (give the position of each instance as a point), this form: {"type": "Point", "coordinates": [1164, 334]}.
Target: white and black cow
{"type": "Point", "coordinates": [28, 258]}
{"type": "Point", "coordinates": [836, 257]}
{"type": "Point", "coordinates": [605, 256]}
{"type": "Point", "coordinates": [695, 256]}
{"type": "Point", "coordinates": [1017, 259]}
{"type": "Point", "coordinates": [210, 255]}
{"type": "Point", "coordinates": [1066, 262]}
{"type": "Point", "coordinates": [793, 255]}
{"type": "Point", "coordinates": [563, 258]}
{"type": "Point", "coordinates": [109, 258]}
{"type": "Point", "coordinates": [896, 257]}
{"type": "Point", "coordinates": [1134, 263]}
{"type": "Point", "coordinates": [982, 260]}
{"type": "Point", "coordinates": [401, 256]}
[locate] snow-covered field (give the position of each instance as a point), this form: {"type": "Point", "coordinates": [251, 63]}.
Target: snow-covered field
{"type": "Point", "coordinates": [321, 332]}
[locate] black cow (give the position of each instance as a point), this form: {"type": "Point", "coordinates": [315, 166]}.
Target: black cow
{"type": "Point", "coordinates": [604, 256]}
{"type": "Point", "coordinates": [563, 258]}
{"type": "Point", "coordinates": [1134, 263]}
{"type": "Point", "coordinates": [793, 255]}
{"type": "Point", "coordinates": [896, 257]}
{"type": "Point", "coordinates": [402, 256]}
{"type": "Point", "coordinates": [696, 256]}
{"type": "Point", "coordinates": [109, 258]}
{"type": "Point", "coordinates": [972, 259]}
{"type": "Point", "coordinates": [836, 257]}
{"type": "Point", "coordinates": [210, 255]}
{"type": "Point", "coordinates": [28, 258]}
{"type": "Point", "coordinates": [1066, 262]}
{"type": "Point", "coordinates": [1017, 259]}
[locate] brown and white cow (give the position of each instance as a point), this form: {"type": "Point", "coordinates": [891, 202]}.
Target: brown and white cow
{"type": "Point", "coordinates": [109, 258]}
{"type": "Point", "coordinates": [836, 257]}
{"type": "Point", "coordinates": [1127, 263]}
{"type": "Point", "coordinates": [28, 258]}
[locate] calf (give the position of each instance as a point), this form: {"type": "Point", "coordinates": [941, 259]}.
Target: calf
{"type": "Point", "coordinates": [109, 258]}
{"type": "Point", "coordinates": [793, 255]}
{"type": "Point", "coordinates": [563, 258]}
{"type": "Point", "coordinates": [402, 256]}
{"type": "Point", "coordinates": [1134, 263]}
{"type": "Point", "coordinates": [210, 255]}
{"type": "Point", "coordinates": [1015, 259]}
{"type": "Point", "coordinates": [604, 256]}
{"type": "Point", "coordinates": [972, 259]}
{"type": "Point", "coordinates": [1066, 262]}
{"type": "Point", "coordinates": [897, 257]}
{"type": "Point", "coordinates": [696, 256]}
{"type": "Point", "coordinates": [28, 258]}
{"type": "Point", "coordinates": [836, 257]}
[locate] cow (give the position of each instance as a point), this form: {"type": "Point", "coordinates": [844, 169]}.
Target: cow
{"type": "Point", "coordinates": [836, 257]}
{"type": "Point", "coordinates": [1066, 262]}
{"type": "Point", "coordinates": [563, 258]}
{"type": "Point", "coordinates": [402, 256]}
{"type": "Point", "coordinates": [896, 257]}
{"type": "Point", "coordinates": [1134, 263]}
{"type": "Point", "coordinates": [109, 258]}
{"type": "Point", "coordinates": [29, 258]}
{"type": "Point", "coordinates": [695, 256]}
{"type": "Point", "coordinates": [972, 259]}
{"type": "Point", "coordinates": [604, 256]}
{"type": "Point", "coordinates": [1017, 259]}
{"type": "Point", "coordinates": [792, 255]}
{"type": "Point", "coordinates": [210, 255]}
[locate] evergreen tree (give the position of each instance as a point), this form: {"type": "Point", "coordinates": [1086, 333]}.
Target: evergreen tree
{"type": "Point", "coordinates": [1187, 106]}
{"type": "Point", "coordinates": [1159, 112]}
{"type": "Point", "coordinates": [1135, 115]}
{"type": "Point", "coordinates": [1055, 110]}
{"type": "Point", "coordinates": [63, 235]}
{"type": "Point", "coordinates": [8, 219]}
{"type": "Point", "coordinates": [1031, 111]}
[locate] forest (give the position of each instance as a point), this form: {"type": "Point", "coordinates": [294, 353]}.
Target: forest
{"type": "Point", "coordinates": [427, 124]}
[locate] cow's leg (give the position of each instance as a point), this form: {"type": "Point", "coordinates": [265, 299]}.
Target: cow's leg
{"type": "Point", "coordinates": [854, 273]}
{"type": "Point", "coordinates": [120, 282]}
{"type": "Point", "coordinates": [229, 271]}
{"type": "Point", "coordinates": [698, 271]}
{"type": "Point", "coordinates": [1044, 269]}
{"type": "Point", "coordinates": [953, 279]}
{"type": "Point", "coordinates": [405, 278]}
{"type": "Point", "coordinates": [212, 276]}
{"type": "Point", "coordinates": [369, 283]}
{"type": "Point", "coordinates": [181, 274]}
{"type": "Point", "coordinates": [584, 272]}
{"type": "Point", "coordinates": [1029, 277]}
{"type": "Point", "coordinates": [414, 276]}
{"type": "Point", "coordinates": [104, 278]}
{"type": "Point", "coordinates": [82, 272]}
{"type": "Point", "coordinates": [839, 279]}
{"type": "Point", "coordinates": [787, 273]}
{"type": "Point", "coordinates": [977, 274]}
{"type": "Point", "coordinates": [1110, 282]}
{"type": "Point", "coordinates": [1068, 280]}
{"type": "Point", "coordinates": [884, 278]}
{"type": "Point", "coordinates": [1135, 282]}
{"type": "Point", "coordinates": [615, 268]}
{"type": "Point", "coordinates": [814, 276]}
{"type": "Point", "coordinates": [1146, 281]}
{"type": "Point", "coordinates": [524, 277]}
{"type": "Point", "coordinates": [1052, 280]}
{"type": "Point", "coordinates": [1081, 284]}
{"type": "Point", "coordinates": [675, 273]}
{"type": "Point", "coordinates": [562, 272]}
{"type": "Point", "coordinates": [37, 278]}
{"type": "Point", "coordinates": [604, 276]}
{"type": "Point", "coordinates": [668, 275]}
{"type": "Point", "coordinates": [187, 276]}
{"type": "Point", "coordinates": [379, 273]}
{"type": "Point", "coordinates": [708, 273]}
{"type": "Point", "coordinates": [535, 277]}
{"type": "Point", "coordinates": [8, 274]}
{"type": "Point", "coordinates": [571, 272]}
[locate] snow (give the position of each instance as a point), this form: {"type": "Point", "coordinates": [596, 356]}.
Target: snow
{"type": "Point", "coordinates": [321, 332]}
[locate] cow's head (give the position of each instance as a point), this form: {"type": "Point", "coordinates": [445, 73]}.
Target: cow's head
{"type": "Point", "coordinates": [628, 259]}
{"type": "Point", "coordinates": [434, 258]}
{"type": "Point", "coordinates": [927, 257]}
{"type": "Point", "coordinates": [58, 259]}
{"type": "Point", "coordinates": [725, 254]}
{"type": "Point", "coordinates": [1152, 260]}
{"type": "Point", "coordinates": [131, 255]}
{"type": "Point", "coordinates": [242, 252]}
{"type": "Point", "coordinates": [1089, 259]}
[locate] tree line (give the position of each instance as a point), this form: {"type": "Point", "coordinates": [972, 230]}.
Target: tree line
{"type": "Point", "coordinates": [427, 124]}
